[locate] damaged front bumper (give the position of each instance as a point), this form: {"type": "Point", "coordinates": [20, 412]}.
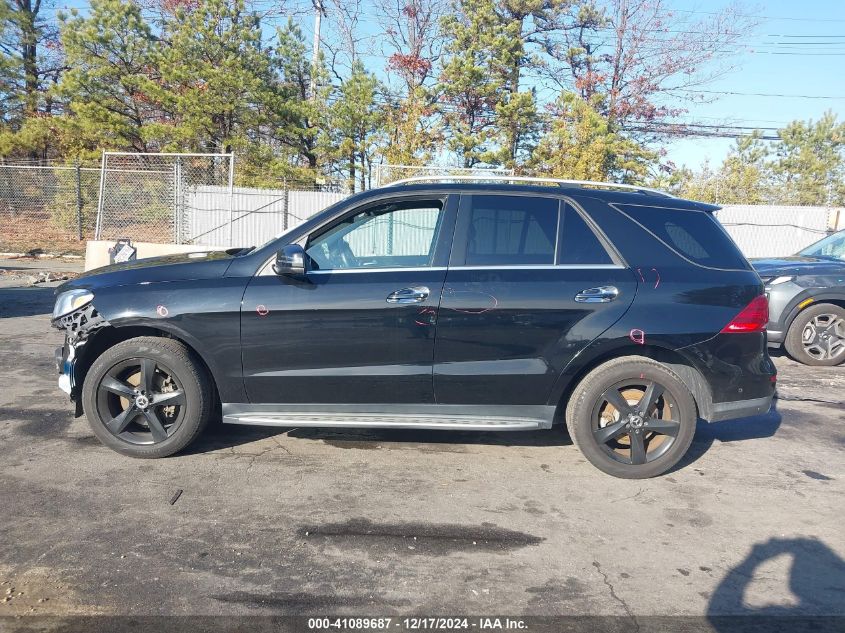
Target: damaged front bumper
{"type": "Point", "coordinates": [78, 327]}
{"type": "Point", "coordinates": [65, 364]}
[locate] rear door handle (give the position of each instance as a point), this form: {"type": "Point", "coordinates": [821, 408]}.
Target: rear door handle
{"type": "Point", "coordinates": [602, 294]}
{"type": "Point", "coordinates": [414, 294]}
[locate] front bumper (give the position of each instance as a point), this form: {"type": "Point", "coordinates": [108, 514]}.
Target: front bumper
{"type": "Point", "coordinates": [784, 300]}
{"type": "Point", "coordinates": [78, 327]}
{"type": "Point", "coordinates": [65, 365]}
{"type": "Point", "coordinates": [775, 338]}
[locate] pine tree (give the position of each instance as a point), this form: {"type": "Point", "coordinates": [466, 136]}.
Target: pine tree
{"type": "Point", "coordinates": [217, 82]}
{"type": "Point", "coordinates": [111, 75]}
{"type": "Point", "coordinates": [582, 144]}
{"type": "Point", "coordinates": [469, 87]}
{"type": "Point", "coordinates": [809, 165]}
{"type": "Point", "coordinates": [356, 125]}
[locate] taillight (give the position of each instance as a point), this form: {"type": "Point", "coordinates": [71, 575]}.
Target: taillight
{"type": "Point", "coordinates": [753, 318]}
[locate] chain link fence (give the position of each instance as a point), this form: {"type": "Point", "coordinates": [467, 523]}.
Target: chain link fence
{"type": "Point", "coordinates": [191, 199]}
{"type": "Point", "coordinates": [151, 197]}
{"type": "Point", "coordinates": [47, 207]}
{"type": "Point", "coordinates": [163, 198]}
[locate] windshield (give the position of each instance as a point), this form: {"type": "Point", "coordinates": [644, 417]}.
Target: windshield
{"type": "Point", "coordinates": [831, 246]}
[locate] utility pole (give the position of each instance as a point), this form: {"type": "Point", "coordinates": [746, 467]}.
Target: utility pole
{"type": "Point", "coordinates": [315, 49]}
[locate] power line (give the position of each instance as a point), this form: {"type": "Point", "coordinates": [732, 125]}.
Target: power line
{"type": "Point", "coordinates": [766, 17]}
{"type": "Point", "coordinates": [802, 36]}
{"type": "Point", "coordinates": [702, 133]}
{"type": "Point", "coordinates": [762, 94]}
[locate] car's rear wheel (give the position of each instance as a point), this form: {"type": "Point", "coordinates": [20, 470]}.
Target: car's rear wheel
{"type": "Point", "coordinates": [817, 336]}
{"type": "Point", "coordinates": [632, 417]}
{"type": "Point", "coordinates": [147, 397]}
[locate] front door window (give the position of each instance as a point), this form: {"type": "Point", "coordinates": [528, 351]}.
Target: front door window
{"type": "Point", "coordinates": [396, 235]}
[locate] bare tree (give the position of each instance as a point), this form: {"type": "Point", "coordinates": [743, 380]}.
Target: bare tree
{"type": "Point", "coordinates": [632, 58]}
{"type": "Point", "coordinates": [346, 35]}
{"type": "Point", "coordinates": [412, 38]}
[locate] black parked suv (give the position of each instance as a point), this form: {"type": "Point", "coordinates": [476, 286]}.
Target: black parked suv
{"type": "Point", "coordinates": [624, 312]}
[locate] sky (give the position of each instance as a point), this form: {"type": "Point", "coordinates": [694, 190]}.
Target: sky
{"type": "Point", "coordinates": [798, 71]}
{"type": "Point", "coordinates": [806, 72]}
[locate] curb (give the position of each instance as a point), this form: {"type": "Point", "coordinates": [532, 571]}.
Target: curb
{"type": "Point", "coordinates": [40, 256]}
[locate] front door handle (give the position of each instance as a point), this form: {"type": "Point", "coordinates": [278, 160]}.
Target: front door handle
{"type": "Point", "coordinates": [414, 294]}
{"type": "Point", "coordinates": [602, 294]}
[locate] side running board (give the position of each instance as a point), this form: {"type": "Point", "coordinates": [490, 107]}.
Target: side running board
{"type": "Point", "coordinates": [334, 419]}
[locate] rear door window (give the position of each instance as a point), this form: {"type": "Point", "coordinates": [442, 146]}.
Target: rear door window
{"type": "Point", "coordinates": [511, 231]}
{"type": "Point", "coordinates": [694, 235]}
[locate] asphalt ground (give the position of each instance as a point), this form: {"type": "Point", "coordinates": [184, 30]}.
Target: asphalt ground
{"type": "Point", "coordinates": [257, 521]}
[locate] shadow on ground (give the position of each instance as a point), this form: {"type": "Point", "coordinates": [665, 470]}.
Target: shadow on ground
{"type": "Point", "coordinates": [23, 302]}
{"type": "Point", "coordinates": [756, 427]}
{"type": "Point", "coordinates": [221, 436]}
{"type": "Point", "coordinates": [816, 580]}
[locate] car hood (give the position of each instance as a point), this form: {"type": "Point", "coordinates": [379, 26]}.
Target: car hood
{"type": "Point", "coordinates": [182, 267]}
{"type": "Point", "coordinates": [797, 265]}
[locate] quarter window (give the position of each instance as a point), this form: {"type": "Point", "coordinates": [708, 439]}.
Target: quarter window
{"type": "Point", "coordinates": [511, 231]}
{"type": "Point", "coordinates": [577, 243]}
{"type": "Point", "coordinates": [395, 235]}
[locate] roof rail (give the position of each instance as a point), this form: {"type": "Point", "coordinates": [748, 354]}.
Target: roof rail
{"type": "Point", "coordinates": [530, 179]}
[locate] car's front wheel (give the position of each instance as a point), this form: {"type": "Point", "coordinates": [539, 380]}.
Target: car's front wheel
{"type": "Point", "coordinates": [632, 417]}
{"type": "Point", "coordinates": [817, 336]}
{"type": "Point", "coordinates": [147, 397]}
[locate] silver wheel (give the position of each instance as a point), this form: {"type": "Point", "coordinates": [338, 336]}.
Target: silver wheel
{"type": "Point", "coordinates": [823, 337]}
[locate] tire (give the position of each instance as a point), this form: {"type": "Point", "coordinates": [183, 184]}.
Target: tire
{"type": "Point", "coordinates": [145, 371]}
{"type": "Point", "coordinates": [637, 446]}
{"type": "Point", "coordinates": [817, 336]}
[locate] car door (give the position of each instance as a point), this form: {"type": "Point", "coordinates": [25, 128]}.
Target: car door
{"type": "Point", "coordinates": [516, 303]}
{"type": "Point", "coordinates": [359, 327]}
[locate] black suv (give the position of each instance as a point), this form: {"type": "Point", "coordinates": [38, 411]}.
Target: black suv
{"type": "Point", "coordinates": [628, 314]}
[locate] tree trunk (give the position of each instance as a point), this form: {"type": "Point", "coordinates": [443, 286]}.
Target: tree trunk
{"type": "Point", "coordinates": [26, 19]}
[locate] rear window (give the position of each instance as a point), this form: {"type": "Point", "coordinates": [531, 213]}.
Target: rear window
{"type": "Point", "coordinates": [694, 235]}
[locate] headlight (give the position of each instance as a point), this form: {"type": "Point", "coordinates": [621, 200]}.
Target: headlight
{"type": "Point", "coordinates": [71, 300]}
{"type": "Point", "coordinates": [781, 280]}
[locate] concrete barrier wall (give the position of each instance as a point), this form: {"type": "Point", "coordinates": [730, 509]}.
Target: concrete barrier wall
{"type": "Point", "coordinates": [97, 251]}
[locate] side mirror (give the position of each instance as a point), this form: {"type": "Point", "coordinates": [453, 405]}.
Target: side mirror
{"type": "Point", "coordinates": [290, 260]}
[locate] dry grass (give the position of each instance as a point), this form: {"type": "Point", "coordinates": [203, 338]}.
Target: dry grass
{"type": "Point", "coordinates": [37, 233]}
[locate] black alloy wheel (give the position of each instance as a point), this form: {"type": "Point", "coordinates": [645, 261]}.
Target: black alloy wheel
{"type": "Point", "coordinates": [632, 417]}
{"type": "Point", "coordinates": [632, 421]}
{"type": "Point", "coordinates": [147, 397]}
{"type": "Point", "coordinates": [140, 401]}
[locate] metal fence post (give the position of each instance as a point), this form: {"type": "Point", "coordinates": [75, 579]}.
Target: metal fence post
{"type": "Point", "coordinates": [231, 198]}
{"type": "Point", "coordinates": [99, 226]}
{"type": "Point", "coordinates": [285, 203]}
{"type": "Point", "coordinates": [177, 199]}
{"type": "Point", "coordinates": [78, 202]}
